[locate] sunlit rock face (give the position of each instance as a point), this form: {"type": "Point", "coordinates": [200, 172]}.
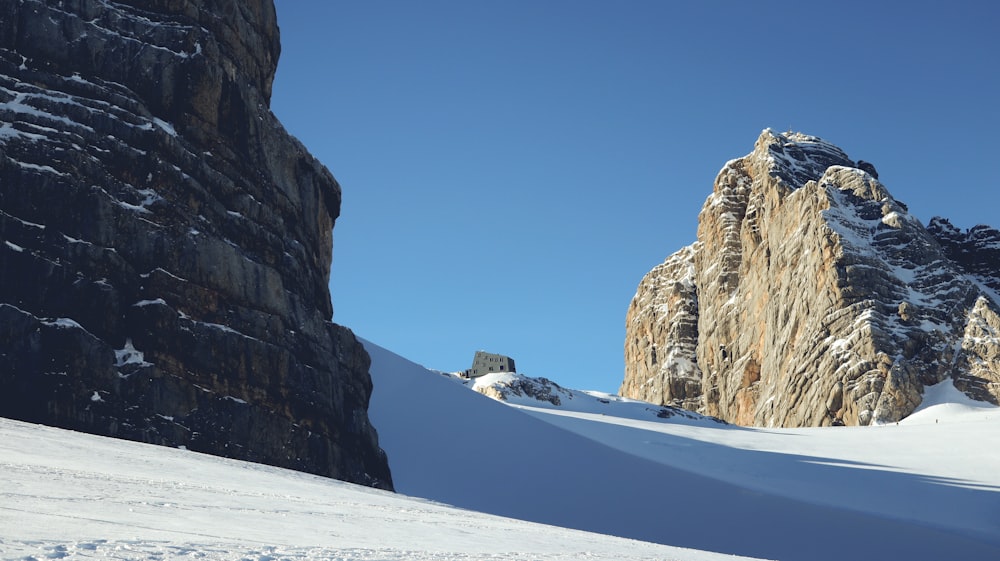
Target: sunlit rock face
{"type": "Point", "coordinates": [811, 297]}
{"type": "Point", "coordinates": [661, 346]}
{"type": "Point", "coordinates": [166, 244]}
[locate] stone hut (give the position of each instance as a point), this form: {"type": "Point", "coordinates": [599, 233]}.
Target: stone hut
{"type": "Point", "coordinates": [484, 363]}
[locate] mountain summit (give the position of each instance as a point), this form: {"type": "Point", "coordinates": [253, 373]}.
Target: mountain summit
{"type": "Point", "coordinates": [166, 243]}
{"type": "Point", "coordinates": [812, 297]}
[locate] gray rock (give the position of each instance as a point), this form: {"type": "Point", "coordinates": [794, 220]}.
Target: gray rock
{"type": "Point", "coordinates": [166, 244]}
{"type": "Point", "coordinates": [538, 389]}
{"type": "Point", "coordinates": [818, 299]}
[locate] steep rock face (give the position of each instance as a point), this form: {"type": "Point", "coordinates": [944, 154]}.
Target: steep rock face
{"type": "Point", "coordinates": [166, 244]}
{"type": "Point", "coordinates": [977, 253]}
{"type": "Point", "coordinates": [820, 300]}
{"type": "Point", "coordinates": [660, 349]}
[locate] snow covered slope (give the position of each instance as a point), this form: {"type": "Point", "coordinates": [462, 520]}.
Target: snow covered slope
{"type": "Point", "coordinates": [914, 491]}
{"type": "Point", "coordinates": [928, 488]}
{"type": "Point", "coordinates": [68, 495]}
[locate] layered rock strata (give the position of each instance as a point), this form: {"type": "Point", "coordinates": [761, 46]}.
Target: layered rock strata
{"type": "Point", "coordinates": [811, 297]}
{"type": "Point", "coordinates": [166, 244]}
{"type": "Point", "coordinates": [661, 345]}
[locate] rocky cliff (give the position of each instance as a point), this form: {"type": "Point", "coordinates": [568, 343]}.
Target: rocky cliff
{"type": "Point", "coordinates": [166, 244]}
{"type": "Point", "coordinates": [811, 297]}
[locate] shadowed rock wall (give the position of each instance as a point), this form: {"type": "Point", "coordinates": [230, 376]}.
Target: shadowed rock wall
{"type": "Point", "coordinates": [165, 244]}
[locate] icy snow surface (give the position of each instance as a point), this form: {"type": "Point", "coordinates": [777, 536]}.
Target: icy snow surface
{"type": "Point", "coordinates": [913, 491]}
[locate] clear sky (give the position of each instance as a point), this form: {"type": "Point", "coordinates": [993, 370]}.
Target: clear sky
{"type": "Point", "coordinates": [511, 169]}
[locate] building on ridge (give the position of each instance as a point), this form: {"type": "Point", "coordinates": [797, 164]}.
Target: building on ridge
{"type": "Point", "coordinates": [484, 363]}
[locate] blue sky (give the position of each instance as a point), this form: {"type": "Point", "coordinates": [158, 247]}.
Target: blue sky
{"type": "Point", "coordinates": [511, 169]}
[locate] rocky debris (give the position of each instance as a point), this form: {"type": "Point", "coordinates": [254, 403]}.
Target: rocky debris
{"type": "Point", "coordinates": [166, 244]}
{"type": "Point", "coordinates": [668, 412]}
{"type": "Point", "coordinates": [818, 299]}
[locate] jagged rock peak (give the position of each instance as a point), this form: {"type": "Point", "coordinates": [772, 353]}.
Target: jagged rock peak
{"type": "Point", "coordinates": [166, 243]}
{"type": "Point", "coordinates": [797, 158]}
{"type": "Point", "coordinates": [812, 297]}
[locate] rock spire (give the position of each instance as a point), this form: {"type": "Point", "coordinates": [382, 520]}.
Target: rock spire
{"type": "Point", "coordinates": [812, 297]}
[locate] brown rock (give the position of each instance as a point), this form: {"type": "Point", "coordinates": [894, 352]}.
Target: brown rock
{"type": "Point", "coordinates": [662, 324]}
{"type": "Point", "coordinates": [805, 275]}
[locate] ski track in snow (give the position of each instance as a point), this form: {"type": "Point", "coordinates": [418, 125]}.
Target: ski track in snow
{"type": "Point", "coordinates": [151, 551]}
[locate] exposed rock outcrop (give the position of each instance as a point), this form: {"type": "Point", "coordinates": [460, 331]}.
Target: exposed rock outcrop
{"type": "Point", "coordinates": [818, 299]}
{"type": "Point", "coordinates": [520, 390]}
{"type": "Point", "coordinates": [166, 244]}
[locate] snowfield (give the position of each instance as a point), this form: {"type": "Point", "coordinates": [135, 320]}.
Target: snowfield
{"type": "Point", "coordinates": [928, 488]}
{"type": "Point", "coordinates": [67, 495]}
{"type": "Point", "coordinates": [524, 478]}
